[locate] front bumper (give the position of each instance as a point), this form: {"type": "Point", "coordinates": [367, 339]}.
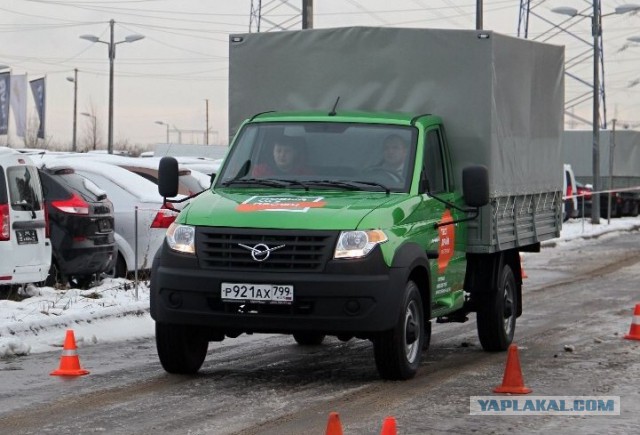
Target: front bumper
{"type": "Point", "coordinates": [353, 297]}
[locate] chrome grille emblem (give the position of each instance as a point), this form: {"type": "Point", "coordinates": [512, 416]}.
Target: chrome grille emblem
{"type": "Point", "coordinates": [260, 252]}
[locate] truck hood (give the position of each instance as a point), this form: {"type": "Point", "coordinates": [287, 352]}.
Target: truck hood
{"type": "Point", "coordinates": [319, 210]}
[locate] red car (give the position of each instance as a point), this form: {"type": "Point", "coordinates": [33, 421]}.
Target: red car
{"type": "Point", "coordinates": [584, 196]}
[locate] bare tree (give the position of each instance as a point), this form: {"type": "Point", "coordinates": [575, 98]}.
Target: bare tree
{"type": "Point", "coordinates": [92, 130]}
{"type": "Point", "coordinates": [31, 139]}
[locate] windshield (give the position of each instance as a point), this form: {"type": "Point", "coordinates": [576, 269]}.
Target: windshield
{"type": "Point", "coordinates": [322, 155]}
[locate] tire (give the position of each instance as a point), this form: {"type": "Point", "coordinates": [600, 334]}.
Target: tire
{"type": "Point", "coordinates": [398, 351]}
{"type": "Point", "coordinates": [119, 270]}
{"type": "Point", "coordinates": [83, 281]}
{"type": "Point", "coordinates": [308, 338]}
{"type": "Point", "coordinates": [427, 335]}
{"type": "Point", "coordinates": [181, 348]}
{"type": "Point", "coordinates": [55, 276]}
{"type": "Point", "coordinates": [496, 316]}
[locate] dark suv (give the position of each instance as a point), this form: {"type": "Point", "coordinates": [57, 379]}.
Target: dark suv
{"type": "Point", "coordinates": [80, 224]}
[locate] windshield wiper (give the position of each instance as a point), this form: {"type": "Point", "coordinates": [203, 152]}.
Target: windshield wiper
{"type": "Point", "coordinates": [259, 181]}
{"type": "Point", "coordinates": [291, 182]}
{"type": "Point", "coordinates": [333, 183]}
{"type": "Point", "coordinates": [348, 184]}
{"type": "Point", "coordinates": [373, 183]}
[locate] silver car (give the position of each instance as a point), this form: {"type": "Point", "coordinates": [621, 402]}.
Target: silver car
{"type": "Point", "coordinates": [126, 190]}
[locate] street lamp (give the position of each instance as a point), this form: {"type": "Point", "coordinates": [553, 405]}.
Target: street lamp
{"type": "Point", "coordinates": [112, 56]}
{"type": "Point", "coordinates": [94, 127]}
{"type": "Point", "coordinates": [74, 80]}
{"type": "Point", "coordinates": [596, 31]}
{"type": "Point", "coordinates": [164, 123]}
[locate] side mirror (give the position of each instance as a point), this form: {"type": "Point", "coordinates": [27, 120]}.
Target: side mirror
{"type": "Point", "coordinates": [475, 185]}
{"type": "Point", "coordinates": [168, 177]}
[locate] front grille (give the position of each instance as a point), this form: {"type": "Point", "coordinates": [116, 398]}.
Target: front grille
{"type": "Point", "coordinates": [303, 251]}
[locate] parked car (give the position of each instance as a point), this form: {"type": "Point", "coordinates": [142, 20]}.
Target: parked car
{"type": "Point", "coordinates": [570, 205]}
{"type": "Point", "coordinates": [205, 165]}
{"type": "Point", "coordinates": [583, 191]}
{"type": "Point", "coordinates": [25, 249]}
{"type": "Point", "coordinates": [81, 227]}
{"type": "Point", "coordinates": [189, 182]}
{"type": "Point", "coordinates": [126, 191]}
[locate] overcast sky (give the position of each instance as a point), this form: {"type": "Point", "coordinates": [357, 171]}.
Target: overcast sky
{"type": "Point", "coordinates": [183, 59]}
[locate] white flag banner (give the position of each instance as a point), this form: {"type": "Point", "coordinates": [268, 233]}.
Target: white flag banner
{"type": "Point", "coordinates": [40, 96]}
{"type": "Point", "coordinates": [5, 92]}
{"type": "Point", "coordinates": [19, 102]}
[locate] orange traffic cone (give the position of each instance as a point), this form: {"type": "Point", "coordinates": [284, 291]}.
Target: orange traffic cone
{"type": "Point", "coordinates": [523, 274]}
{"type": "Point", "coordinates": [389, 426]}
{"type": "Point", "coordinates": [69, 362]}
{"type": "Point", "coordinates": [634, 332]}
{"type": "Point", "coordinates": [512, 381]}
{"type": "Point", "coordinates": [333, 425]}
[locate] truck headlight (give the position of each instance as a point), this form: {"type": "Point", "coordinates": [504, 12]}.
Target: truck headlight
{"type": "Point", "coordinates": [357, 244]}
{"type": "Point", "coordinates": [182, 238]}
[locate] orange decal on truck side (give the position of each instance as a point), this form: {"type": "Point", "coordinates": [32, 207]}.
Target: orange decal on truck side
{"type": "Point", "coordinates": [447, 241]}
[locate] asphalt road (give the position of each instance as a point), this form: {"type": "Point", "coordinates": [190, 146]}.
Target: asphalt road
{"type": "Point", "coordinates": [580, 295]}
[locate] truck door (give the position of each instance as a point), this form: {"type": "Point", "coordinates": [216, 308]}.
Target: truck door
{"type": "Point", "coordinates": [447, 271]}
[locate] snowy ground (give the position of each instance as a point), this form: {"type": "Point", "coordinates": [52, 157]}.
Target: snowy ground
{"type": "Point", "coordinates": [117, 310]}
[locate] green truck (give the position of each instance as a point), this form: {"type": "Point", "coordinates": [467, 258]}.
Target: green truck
{"type": "Point", "coordinates": [342, 244]}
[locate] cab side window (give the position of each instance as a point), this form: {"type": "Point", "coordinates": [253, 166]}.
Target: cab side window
{"type": "Point", "coordinates": [434, 162]}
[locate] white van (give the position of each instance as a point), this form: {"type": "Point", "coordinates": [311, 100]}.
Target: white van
{"type": "Point", "coordinates": [25, 250]}
{"type": "Point", "coordinates": [570, 204]}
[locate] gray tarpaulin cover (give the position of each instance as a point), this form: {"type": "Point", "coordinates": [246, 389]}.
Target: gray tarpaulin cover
{"type": "Point", "coordinates": [578, 150]}
{"type": "Point", "coordinates": [501, 98]}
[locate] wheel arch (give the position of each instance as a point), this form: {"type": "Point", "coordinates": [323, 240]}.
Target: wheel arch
{"type": "Point", "coordinates": [412, 258]}
{"type": "Point", "coordinates": [483, 271]}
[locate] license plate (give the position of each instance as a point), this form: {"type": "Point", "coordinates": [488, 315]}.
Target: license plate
{"type": "Point", "coordinates": [26, 237]}
{"type": "Point", "coordinates": [104, 225]}
{"type": "Point", "coordinates": [258, 293]}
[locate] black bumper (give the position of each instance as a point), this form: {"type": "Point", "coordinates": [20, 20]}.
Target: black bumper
{"type": "Point", "coordinates": [351, 297]}
{"type": "Point", "coordinates": [87, 261]}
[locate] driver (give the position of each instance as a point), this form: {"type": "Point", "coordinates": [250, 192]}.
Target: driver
{"type": "Point", "coordinates": [394, 156]}
{"type": "Point", "coordinates": [287, 159]}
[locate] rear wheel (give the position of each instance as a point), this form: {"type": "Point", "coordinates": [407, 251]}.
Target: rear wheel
{"type": "Point", "coordinates": [497, 312]}
{"type": "Point", "coordinates": [308, 338]}
{"type": "Point", "coordinates": [119, 269]}
{"type": "Point", "coordinates": [398, 351]}
{"type": "Point", "coordinates": [181, 348]}
{"type": "Point", "coordinates": [55, 278]}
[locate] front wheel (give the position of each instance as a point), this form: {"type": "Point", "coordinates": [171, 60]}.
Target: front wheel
{"type": "Point", "coordinates": [181, 348]}
{"type": "Point", "coordinates": [497, 312]}
{"type": "Point", "coordinates": [398, 351]}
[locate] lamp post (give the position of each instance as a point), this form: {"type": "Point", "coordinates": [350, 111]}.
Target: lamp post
{"type": "Point", "coordinates": [112, 56]}
{"type": "Point", "coordinates": [94, 128]}
{"type": "Point", "coordinates": [74, 80]}
{"type": "Point", "coordinates": [164, 123]}
{"type": "Point", "coordinates": [596, 31]}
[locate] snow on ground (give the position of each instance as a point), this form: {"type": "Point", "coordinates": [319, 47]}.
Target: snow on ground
{"type": "Point", "coordinates": [116, 309]}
